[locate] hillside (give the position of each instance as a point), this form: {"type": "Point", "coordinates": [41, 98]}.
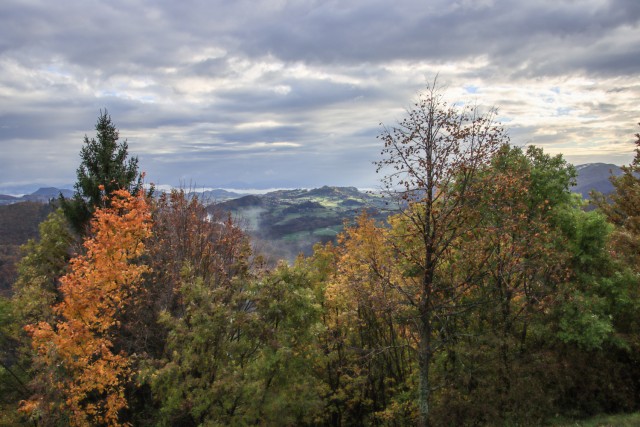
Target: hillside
{"type": "Point", "coordinates": [288, 222]}
{"type": "Point", "coordinates": [18, 223]}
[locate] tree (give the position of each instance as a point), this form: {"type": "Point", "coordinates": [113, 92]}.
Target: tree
{"type": "Point", "coordinates": [519, 252]}
{"type": "Point", "coordinates": [623, 210]}
{"type": "Point", "coordinates": [198, 293]}
{"type": "Point", "coordinates": [431, 160]}
{"type": "Point", "coordinates": [81, 374]}
{"type": "Point", "coordinates": [238, 347]}
{"type": "Point", "coordinates": [13, 375]}
{"type": "Point", "coordinates": [36, 289]}
{"type": "Point", "coordinates": [369, 339]}
{"type": "Point", "coordinates": [104, 168]}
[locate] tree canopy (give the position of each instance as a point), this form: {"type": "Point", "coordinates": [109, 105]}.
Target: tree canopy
{"type": "Point", "coordinates": [491, 297]}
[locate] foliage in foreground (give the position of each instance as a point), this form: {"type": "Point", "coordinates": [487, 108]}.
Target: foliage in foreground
{"type": "Point", "coordinates": [166, 316]}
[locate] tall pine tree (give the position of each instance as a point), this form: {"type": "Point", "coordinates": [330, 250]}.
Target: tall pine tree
{"type": "Point", "coordinates": [104, 168]}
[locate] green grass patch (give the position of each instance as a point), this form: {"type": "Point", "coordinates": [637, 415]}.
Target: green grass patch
{"type": "Point", "coordinates": [621, 420]}
{"type": "Point", "coordinates": [294, 237]}
{"type": "Point", "coordinates": [328, 231]}
{"type": "Point", "coordinates": [327, 203]}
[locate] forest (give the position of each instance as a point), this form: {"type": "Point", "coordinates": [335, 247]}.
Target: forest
{"type": "Point", "coordinates": [493, 296]}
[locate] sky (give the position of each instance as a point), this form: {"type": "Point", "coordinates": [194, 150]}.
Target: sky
{"type": "Point", "coordinates": [293, 93]}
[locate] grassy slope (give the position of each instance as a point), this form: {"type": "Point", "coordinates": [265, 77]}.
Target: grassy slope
{"type": "Point", "coordinates": [623, 420]}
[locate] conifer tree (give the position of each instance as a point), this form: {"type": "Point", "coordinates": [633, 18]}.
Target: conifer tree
{"type": "Point", "coordinates": [105, 167]}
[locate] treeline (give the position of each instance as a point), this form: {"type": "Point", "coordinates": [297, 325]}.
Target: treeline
{"type": "Point", "coordinates": [492, 298]}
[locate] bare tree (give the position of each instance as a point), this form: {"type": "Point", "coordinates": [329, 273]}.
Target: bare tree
{"type": "Point", "coordinates": [431, 162]}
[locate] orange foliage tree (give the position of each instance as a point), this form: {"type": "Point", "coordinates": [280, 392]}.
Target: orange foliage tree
{"type": "Point", "coordinates": [81, 374]}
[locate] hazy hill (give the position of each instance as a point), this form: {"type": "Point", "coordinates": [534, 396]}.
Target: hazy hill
{"type": "Point", "coordinates": [595, 176]}
{"type": "Point", "coordinates": [288, 222]}
{"type": "Point", "coordinates": [292, 221]}
{"type": "Point", "coordinates": [42, 195]}
{"type": "Point", "coordinates": [215, 195]}
{"type": "Point", "coordinates": [285, 221]}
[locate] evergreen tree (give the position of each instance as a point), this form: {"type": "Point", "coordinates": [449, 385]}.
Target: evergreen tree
{"type": "Point", "coordinates": [104, 168]}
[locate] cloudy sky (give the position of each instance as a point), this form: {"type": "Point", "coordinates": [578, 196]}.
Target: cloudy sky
{"type": "Point", "coordinates": [292, 93]}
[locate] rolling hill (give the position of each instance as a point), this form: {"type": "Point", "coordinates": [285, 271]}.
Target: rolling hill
{"type": "Point", "coordinates": [289, 222]}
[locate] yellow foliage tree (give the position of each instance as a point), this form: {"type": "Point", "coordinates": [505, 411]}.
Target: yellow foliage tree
{"type": "Point", "coordinates": [80, 372]}
{"type": "Point", "coordinates": [370, 339]}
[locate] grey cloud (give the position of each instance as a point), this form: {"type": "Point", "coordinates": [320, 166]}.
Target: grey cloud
{"type": "Point", "coordinates": [303, 96]}
{"type": "Point", "coordinates": [182, 79]}
{"type": "Point", "coordinates": [134, 35]}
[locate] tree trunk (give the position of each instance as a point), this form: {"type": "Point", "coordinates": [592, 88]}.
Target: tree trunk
{"type": "Point", "coordinates": [424, 356]}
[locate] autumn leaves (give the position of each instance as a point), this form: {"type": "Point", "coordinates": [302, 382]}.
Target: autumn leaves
{"type": "Point", "coordinates": [75, 353]}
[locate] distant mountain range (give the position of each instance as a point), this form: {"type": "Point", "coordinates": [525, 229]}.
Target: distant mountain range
{"type": "Point", "coordinates": [591, 176]}
{"type": "Point", "coordinates": [283, 223]}
{"type": "Point", "coordinates": [42, 195]}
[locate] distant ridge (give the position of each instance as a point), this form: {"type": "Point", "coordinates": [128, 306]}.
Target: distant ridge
{"type": "Point", "coordinates": [42, 195]}
{"type": "Point", "coordinates": [591, 177]}
{"type": "Point", "coordinates": [215, 195]}
{"type": "Point", "coordinates": [290, 222]}
{"type": "Point", "coordinates": [595, 177]}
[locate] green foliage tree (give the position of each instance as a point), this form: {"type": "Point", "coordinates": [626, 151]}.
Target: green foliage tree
{"type": "Point", "coordinates": [44, 261]}
{"type": "Point", "coordinates": [515, 255]}
{"type": "Point", "coordinates": [14, 376]}
{"type": "Point", "coordinates": [556, 332]}
{"type": "Point", "coordinates": [104, 168]}
{"type": "Point", "coordinates": [234, 341]}
{"type": "Point", "coordinates": [35, 291]}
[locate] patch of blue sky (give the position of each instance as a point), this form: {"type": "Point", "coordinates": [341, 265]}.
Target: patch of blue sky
{"type": "Point", "coordinates": [56, 70]}
{"type": "Point", "coordinates": [471, 89]}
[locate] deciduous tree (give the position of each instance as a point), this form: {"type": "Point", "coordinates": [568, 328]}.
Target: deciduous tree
{"type": "Point", "coordinates": [431, 161]}
{"type": "Point", "coordinates": [369, 340]}
{"type": "Point", "coordinates": [622, 209]}
{"type": "Point", "coordinates": [81, 373]}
